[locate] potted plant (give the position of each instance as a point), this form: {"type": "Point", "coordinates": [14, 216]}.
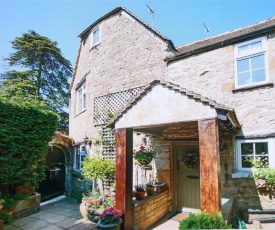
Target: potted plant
{"type": "Point", "coordinates": [150, 189]}
{"type": "Point", "coordinates": [144, 155]}
{"type": "Point", "coordinates": [140, 192]}
{"type": "Point", "coordinates": [110, 219]}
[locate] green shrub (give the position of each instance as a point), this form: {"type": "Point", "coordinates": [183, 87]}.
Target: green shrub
{"type": "Point", "coordinates": [202, 220]}
{"type": "Point", "coordinates": [25, 130]}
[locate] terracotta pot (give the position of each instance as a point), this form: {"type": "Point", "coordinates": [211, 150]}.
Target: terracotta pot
{"type": "Point", "coordinates": [140, 195]}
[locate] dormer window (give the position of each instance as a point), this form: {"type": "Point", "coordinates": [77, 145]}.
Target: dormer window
{"type": "Point", "coordinates": [95, 36]}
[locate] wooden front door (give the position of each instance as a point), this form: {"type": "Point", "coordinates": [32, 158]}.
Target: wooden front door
{"type": "Point", "coordinates": [188, 176]}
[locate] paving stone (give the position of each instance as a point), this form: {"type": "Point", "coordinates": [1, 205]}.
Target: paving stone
{"type": "Point", "coordinates": [84, 225]}
{"type": "Point", "coordinates": [68, 223]}
{"type": "Point", "coordinates": [51, 227]}
{"type": "Point", "coordinates": [23, 221]}
{"type": "Point", "coordinates": [34, 225]}
{"type": "Point", "coordinates": [56, 219]}
{"type": "Point", "coordinates": [11, 227]}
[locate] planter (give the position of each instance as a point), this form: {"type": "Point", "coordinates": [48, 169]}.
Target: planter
{"type": "Point", "coordinates": [160, 187]}
{"type": "Point", "coordinates": [26, 207]}
{"type": "Point", "coordinates": [109, 226]}
{"type": "Point", "coordinates": [83, 210]}
{"type": "Point", "coordinates": [94, 214]}
{"type": "Point", "coordinates": [150, 191]}
{"type": "Point", "coordinates": [140, 195]}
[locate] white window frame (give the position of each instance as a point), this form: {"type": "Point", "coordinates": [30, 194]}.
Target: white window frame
{"type": "Point", "coordinates": [80, 153]}
{"type": "Point", "coordinates": [93, 31]}
{"type": "Point", "coordinates": [249, 54]}
{"type": "Point", "coordinates": [81, 98]}
{"type": "Point", "coordinates": [271, 152]}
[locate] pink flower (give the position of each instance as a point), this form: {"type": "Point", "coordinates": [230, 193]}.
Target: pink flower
{"type": "Point", "coordinates": [261, 182]}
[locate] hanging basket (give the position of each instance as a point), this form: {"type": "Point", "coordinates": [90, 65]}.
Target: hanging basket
{"type": "Point", "coordinates": [144, 159]}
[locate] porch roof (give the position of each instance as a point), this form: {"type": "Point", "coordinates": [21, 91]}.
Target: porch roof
{"type": "Point", "coordinates": [161, 103]}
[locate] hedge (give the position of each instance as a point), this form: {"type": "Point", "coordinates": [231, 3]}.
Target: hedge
{"type": "Point", "coordinates": [25, 131]}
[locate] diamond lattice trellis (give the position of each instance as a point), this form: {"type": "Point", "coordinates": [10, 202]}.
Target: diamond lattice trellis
{"type": "Point", "coordinates": [106, 106]}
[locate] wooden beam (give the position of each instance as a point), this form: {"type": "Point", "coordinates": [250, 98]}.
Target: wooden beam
{"type": "Point", "coordinates": [209, 166]}
{"type": "Point", "coordinates": [124, 175]}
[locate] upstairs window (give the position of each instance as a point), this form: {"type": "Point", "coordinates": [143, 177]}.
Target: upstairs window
{"type": "Point", "coordinates": [95, 36]}
{"type": "Point", "coordinates": [253, 149]}
{"type": "Point", "coordinates": [251, 63]}
{"type": "Point", "coordinates": [81, 98]}
{"type": "Point", "coordinates": [79, 155]}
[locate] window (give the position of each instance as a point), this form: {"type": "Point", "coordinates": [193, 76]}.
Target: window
{"type": "Point", "coordinates": [96, 36]}
{"type": "Point", "coordinates": [79, 155]}
{"type": "Point", "coordinates": [251, 63]}
{"type": "Point", "coordinates": [252, 149]}
{"type": "Point", "coordinates": [81, 98]}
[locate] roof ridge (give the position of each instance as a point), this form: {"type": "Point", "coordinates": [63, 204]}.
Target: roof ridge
{"type": "Point", "coordinates": [117, 9]}
{"type": "Point", "coordinates": [226, 33]}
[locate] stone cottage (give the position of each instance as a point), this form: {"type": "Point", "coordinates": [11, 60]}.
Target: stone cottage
{"type": "Point", "coordinates": [205, 107]}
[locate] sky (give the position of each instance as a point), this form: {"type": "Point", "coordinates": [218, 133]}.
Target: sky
{"type": "Point", "coordinates": [179, 20]}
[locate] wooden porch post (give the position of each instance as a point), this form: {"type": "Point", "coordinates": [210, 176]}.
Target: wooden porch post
{"type": "Point", "coordinates": [124, 175]}
{"type": "Point", "coordinates": [209, 166]}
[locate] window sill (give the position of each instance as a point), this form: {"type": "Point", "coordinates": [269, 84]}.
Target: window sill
{"type": "Point", "coordinates": [95, 46]}
{"type": "Point", "coordinates": [80, 113]}
{"type": "Point", "coordinates": [241, 175]}
{"type": "Point", "coordinates": [253, 87]}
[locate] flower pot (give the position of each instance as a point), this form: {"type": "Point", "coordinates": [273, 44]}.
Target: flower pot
{"type": "Point", "coordinates": [83, 210]}
{"type": "Point", "coordinates": [140, 195]}
{"type": "Point", "coordinates": [150, 191]}
{"type": "Point", "coordinates": [109, 226]}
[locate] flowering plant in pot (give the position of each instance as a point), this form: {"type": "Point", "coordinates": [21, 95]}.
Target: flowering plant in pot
{"type": "Point", "coordinates": [144, 155]}
{"type": "Point", "coordinates": [111, 217]}
{"type": "Point", "coordinates": [140, 192]}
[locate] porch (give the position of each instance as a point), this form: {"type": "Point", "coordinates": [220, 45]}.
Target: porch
{"type": "Point", "coordinates": [190, 120]}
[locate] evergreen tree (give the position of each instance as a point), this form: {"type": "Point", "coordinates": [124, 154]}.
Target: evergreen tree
{"type": "Point", "coordinates": [47, 73]}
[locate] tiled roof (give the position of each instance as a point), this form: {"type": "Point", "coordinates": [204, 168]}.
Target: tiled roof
{"type": "Point", "coordinates": [190, 94]}
{"type": "Point", "coordinates": [238, 35]}
{"type": "Point", "coordinates": [118, 9]}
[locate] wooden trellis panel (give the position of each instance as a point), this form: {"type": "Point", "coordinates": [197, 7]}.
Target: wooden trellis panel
{"type": "Point", "coordinates": [106, 106]}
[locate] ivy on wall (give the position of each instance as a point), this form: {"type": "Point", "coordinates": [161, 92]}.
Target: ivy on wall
{"type": "Point", "coordinates": [25, 130]}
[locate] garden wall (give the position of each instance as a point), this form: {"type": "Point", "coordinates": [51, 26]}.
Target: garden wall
{"type": "Point", "coordinates": [148, 211]}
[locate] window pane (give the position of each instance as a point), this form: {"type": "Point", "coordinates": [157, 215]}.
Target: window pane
{"type": "Point", "coordinates": [257, 62]}
{"type": "Point", "coordinates": [247, 148]}
{"type": "Point", "coordinates": [256, 45]}
{"type": "Point", "coordinates": [246, 163]}
{"type": "Point", "coordinates": [84, 100]}
{"type": "Point", "coordinates": [243, 48]}
{"type": "Point", "coordinates": [243, 78]}
{"type": "Point", "coordinates": [258, 75]}
{"type": "Point", "coordinates": [243, 65]}
{"type": "Point", "coordinates": [261, 148]}
{"type": "Point", "coordinates": [95, 36]}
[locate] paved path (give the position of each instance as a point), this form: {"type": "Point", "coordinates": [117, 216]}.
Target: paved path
{"type": "Point", "coordinates": [62, 214]}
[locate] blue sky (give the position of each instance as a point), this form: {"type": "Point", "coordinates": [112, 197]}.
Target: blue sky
{"type": "Point", "coordinates": [179, 20]}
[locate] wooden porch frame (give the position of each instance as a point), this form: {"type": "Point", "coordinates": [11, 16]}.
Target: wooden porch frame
{"type": "Point", "coordinates": [209, 166]}
{"type": "Point", "coordinates": [124, 175]}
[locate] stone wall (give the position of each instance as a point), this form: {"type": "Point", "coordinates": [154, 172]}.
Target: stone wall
{"type": "Point", "coordinates": [149, 211]}
{"type": "Point", "coordinates": [129, 55]}
{"type": "Point", "coordinates": [211, 74]}
{"type": "Point", "coordinates": [80, 185]}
